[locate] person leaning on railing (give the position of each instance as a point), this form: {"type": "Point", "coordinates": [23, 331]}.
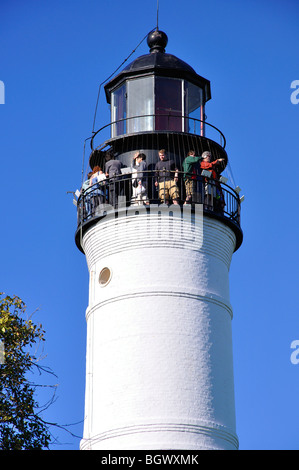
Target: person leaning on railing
{"type": "Point", "coordinates": [166, 179]}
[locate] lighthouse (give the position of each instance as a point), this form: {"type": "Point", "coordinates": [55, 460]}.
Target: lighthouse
{"type": "Point", "coordinates": [158, 222]}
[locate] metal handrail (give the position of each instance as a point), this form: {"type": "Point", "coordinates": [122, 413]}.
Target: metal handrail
{"type": "Point", "coordinates": [181, 117]}
{"type": "Point", "coordinates": [216, 197]}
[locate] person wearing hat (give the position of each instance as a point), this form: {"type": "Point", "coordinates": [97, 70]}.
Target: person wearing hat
{"type": "Point", "coordinates": [210, 166]}
{"type": "Point", "coordinates": [212, 189]}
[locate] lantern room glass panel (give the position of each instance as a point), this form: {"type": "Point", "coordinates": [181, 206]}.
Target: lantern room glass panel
{"type": "Point", "coordinates": [169, 104]}
{"type": "Point", "coordinates": [140, 104]}
{"type": "Point", "coordinates": [194, 109]}
{"type": "Point", "coordinates": [118, 111]}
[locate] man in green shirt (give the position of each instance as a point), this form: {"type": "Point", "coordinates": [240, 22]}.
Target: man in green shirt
{"type": "Point", "coordinates": [191, 168]}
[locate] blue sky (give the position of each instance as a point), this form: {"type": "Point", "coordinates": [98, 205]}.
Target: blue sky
{"type": "Point", "coordinates": [53, 56]}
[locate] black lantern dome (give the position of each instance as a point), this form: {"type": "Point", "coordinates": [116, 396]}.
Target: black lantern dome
{"type": "Point", "coordinates": [160, 63]}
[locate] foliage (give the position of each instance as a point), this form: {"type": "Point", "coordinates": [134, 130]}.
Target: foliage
{"type": "Point", "coordinates": [21, 426]}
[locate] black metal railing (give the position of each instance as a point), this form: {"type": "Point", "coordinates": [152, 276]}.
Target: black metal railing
{"type": "Point", "coordinates": [165, 187]}
{"type": "Point", "coordinates": [157, 123]}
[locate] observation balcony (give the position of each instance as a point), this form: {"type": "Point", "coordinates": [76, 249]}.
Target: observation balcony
{"type": "Point", "coordinates": [176, 133]}
{"type": "Point", "coordinates": [218, 199]}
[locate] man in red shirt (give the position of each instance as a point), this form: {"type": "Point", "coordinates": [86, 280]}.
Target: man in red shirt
{"type": "Point", "coordinates": [206, 163]}
{"type": "Point", "coordinates": [210, 187]}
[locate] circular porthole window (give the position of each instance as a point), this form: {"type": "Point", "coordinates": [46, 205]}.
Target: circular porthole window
{"type": "Point", "coordinates": [104, 277]}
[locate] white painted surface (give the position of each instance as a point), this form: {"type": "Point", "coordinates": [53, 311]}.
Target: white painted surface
{"type": "Point", "coordinates": [159, 347]}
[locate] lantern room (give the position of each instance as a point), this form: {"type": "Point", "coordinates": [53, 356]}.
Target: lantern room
{"type": "Point", "coordinates": [157, 92]}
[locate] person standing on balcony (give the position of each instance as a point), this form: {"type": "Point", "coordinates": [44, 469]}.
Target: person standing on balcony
{"type": "Point", "coordinates": [211, 184]}
{"type": "Point", "coordinates": [101, 180]}
{"type": "Point", "coordinates": [113, 171]}
{"type": "Point", "coordinates": [166, 179]}
{"type": "Point", "coordinates": [191, 169]}
{"type": "Point", "coordinates": [139, 179]}
{"type": "Point", "coordinates": [97, 192]}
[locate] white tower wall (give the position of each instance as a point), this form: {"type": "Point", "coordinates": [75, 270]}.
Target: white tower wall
{"type": "Point", "coordinates": [159, 348]}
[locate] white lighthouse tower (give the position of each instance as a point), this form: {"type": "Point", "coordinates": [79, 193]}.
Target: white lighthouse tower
{"type": "Point", "coordinates": [158, 245]}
